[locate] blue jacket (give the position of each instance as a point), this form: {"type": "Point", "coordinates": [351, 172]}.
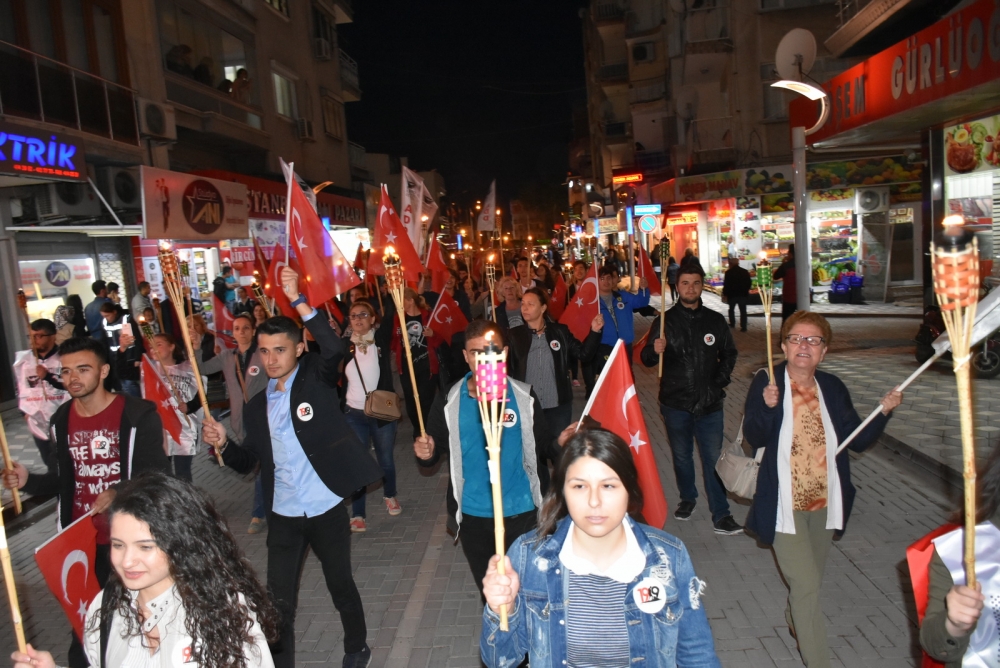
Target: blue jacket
{"type": "Point", "coordinates": [677, 635]}
{"type": "Point", "coordinates": [625, 329]}
{"type": "Point", "coordinates": [761, 426]}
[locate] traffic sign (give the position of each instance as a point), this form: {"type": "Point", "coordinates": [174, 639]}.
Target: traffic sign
{"type": "Point", "coordinates": [641, 209]}
{"type": "Point", "coordinates": [649, 222]}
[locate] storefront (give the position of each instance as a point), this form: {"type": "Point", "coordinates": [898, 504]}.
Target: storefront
{"type": "Point", "coordinates": [937, 89]}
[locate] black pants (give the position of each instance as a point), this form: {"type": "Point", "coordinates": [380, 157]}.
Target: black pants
{"type": "Point", "coordinates": [597, 365]}
{"type": "Point", "coordinates": [45, 451]}
{"type": "Point", "coordinates": [479, 542]}
{"type": "Point", "coordinates": [426, 384]}
{"type": "Point", "coordinates": [742, 303]}
{"type": "Point", "coordinates": [102, 569]}
{"type": "Point", "coordinates": [787, 310]}
{"type": "Point", "coordinates": [182, 467]}
{"type": "Point", "coordinates": [329, 536]}
{"type": "Point", "coordinates": [673, 291]}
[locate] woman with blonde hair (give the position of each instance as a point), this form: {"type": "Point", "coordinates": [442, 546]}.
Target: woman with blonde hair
{"type": "Point", "coordinates": [423, 349]}
{"type": "Point", "coordinates": [509, 295]}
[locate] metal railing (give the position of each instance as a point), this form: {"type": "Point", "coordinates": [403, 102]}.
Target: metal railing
{"type": "Point", "coordinates": [613, 71]}
{"type": "Point", "coordinates": [652, 161]}
{"type": "Point", "coordinates": [707, 24]}
{"type": "Point", "coordinates": [42, 89]}
{"type": "Point", "coordinates": [349, 71]}
{"type": "Point", "coordinates": [605, 10]}
{"type": "Point", "coordinates": [648, 90]}
{"type": "Point", "coordinates": [194, 95]}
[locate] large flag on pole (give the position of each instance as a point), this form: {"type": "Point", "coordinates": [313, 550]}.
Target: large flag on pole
{"type": "Point", "coordinates": [583, 308]}
{"type": "Point", "coordinates": [447, 318]}
{"type": "Point", "coordinates": [436, 265]}
{"type": "Point", "coordinates": [488, 214]}
{"type": "Point", "coordinates": [615, 404]}
{"type": "Point", "coordinates": [645, 270]}
{"type": "Point", "coordinates": [557, 301]}
{"type": "Point", "coordinates": [272, 284]}
{"type": "Point", "coordinates": [155, 389]}
{"type": "Point", "coordinates": [67, 563]}
{"type": "Point", "coordinates": [411, 204]}
{"type": "Point", "coordinates": [389, 231]}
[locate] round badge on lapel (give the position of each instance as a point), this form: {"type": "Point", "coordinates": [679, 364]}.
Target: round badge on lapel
{"type": "Point", "coordinates": [649, 595]}
{"type": "Point", "coordinates": [555, 345]}
{"type": "Point", "coordinates": [509, 417]}
{"type": "Point", "coordinates": [621, 305]}
{"type": "Point", "coordinates": [304, 412]}
{"type": "Point", "coordinates": [254, 370]}
{"type": "Point", "coordinates": [709, 339]}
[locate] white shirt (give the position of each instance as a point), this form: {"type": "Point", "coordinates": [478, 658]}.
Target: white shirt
{"type": "Point", "coordinates": [625, 569]}
{"type": "Point", "coordinates": [368, 361]}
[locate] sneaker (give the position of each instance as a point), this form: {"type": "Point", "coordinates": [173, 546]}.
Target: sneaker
{"type": "Point", "coordinates": [684, 510]}
{"type": "Point", "coordinates": [727, 526]}
{"type": "Point", "coordinates": [358, 659]}
{"type": "Point", "coordinates": [257, 525]}
{"type": "Point", "coordinates": [392, 505]}
{"type": "Point", "coordinates": [576, 383]}
{"type": "Point", "coordinates": [358, 526]}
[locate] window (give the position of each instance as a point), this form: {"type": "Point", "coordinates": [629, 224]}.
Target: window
{"type": "Point", "coordinates": [198, 49]}
{"type": "Point", "coordinates": [284, 96]}
{"type": "Point", "coordinates": [333, 117]}
{"type": "Point", "coordinates": [324, 27]}
{"type": "Point", "coordinates": [8, 33]}
{"type": "Point", "coordinates": [791, 4]}
{"type": "Point", "coordinates": [280, 6]}
{"type": "Point", "coordinates": [39, 17]}
{"type": "Point", "coordinates": [104, 37]}
{"type": "Point", "coordinates": [76, 34]}
{"type": "Point", "coordinates": [775, 99]}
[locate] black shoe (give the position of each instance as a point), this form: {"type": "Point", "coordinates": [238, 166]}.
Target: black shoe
{"type": "Point", "coordinates": [358, 659]}
{"type": "Point", "coordinates": [732, 326]}
{"type": "Point", "coordinates": [684, 510]}
{"type": "Point", "coordinates": [743, 329]}
{"type": "Point", "coordinates": [727, 526]}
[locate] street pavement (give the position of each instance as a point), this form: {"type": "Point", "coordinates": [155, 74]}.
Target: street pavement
{"type": "Point", "coordinates": [422, 607]}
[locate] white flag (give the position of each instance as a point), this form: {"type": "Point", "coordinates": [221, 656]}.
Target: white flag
{"type": "Point", "coordinates": [487, 216]}
{"type": "Point", "coordinates": [411, 208]}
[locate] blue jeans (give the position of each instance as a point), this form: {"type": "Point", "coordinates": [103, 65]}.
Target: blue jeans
{"type": "Point", "coordinates": [258, 498]}
{"type": "Point", "coordinates": [383, 438]}
{"type": "Point", "coordinates": [131, 388]}
{"type": "Point", "coordinates": [682, 430]}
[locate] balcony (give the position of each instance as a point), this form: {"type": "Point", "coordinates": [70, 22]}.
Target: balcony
{"type": "Point", "coordinates": [343, 11]}
{"type": "Point", "coordinates": [613, 73]}
{"type": "Point", "coordinates": [608, 11]}
{"type": "Point", "coordinates": [357, 158]}
{"type": "Point", "coordinates": [617, 132]}
{"type": "Point", "coordinates": [205, 109]}
{"type": "Point", "coordinates": [37, 88]}
{"type": "Point", "coordinates": [709, 24]}
{"type": "Point", "coordinates": [349, 83]}
{"type": "Point", "coordinates": [647, 90]}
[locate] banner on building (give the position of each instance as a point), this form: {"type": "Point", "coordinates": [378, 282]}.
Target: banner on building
{"type": "Point", "coordinates": [189, 206]}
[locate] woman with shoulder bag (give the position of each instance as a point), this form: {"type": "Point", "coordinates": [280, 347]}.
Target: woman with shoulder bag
{"type": "Point", "coordinates": [367, 370]}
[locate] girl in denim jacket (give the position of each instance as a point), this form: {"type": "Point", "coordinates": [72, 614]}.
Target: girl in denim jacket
{"type": "Point", "coordinates": [591, 586]}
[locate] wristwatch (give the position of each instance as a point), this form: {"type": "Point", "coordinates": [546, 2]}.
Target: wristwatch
{"type": "Point", "coordinates": [300, 300]}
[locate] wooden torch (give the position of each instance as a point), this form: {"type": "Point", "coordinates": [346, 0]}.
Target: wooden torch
{"type": "Point", "coordinates": [258, 293]}
{"type": "Point", "coordinates": [765, 287]}
{"type": "Point", "coordinates": [955, 263]}
{"type": "Point", "coordinates": [491, 280]}
{"type": "Point", "coordinates": [8, 576]}
{"type": "Point", "coordinates": [394, 281]}
{"type": "Point", "coordinates": [664, 262]}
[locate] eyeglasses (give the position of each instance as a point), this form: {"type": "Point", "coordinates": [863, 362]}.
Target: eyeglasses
{"type": "Point", "coordinates": [359, 316]}
{"type": "Point", "coordinates": [796, 339]}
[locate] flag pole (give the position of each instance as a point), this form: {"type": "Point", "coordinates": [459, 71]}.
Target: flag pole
{"type": "Point", "coordinates": [8, 464]}
{"type": "Point", "coordinates": [765, 284]}
{"type": "Point", "coordinates": [290, 177]}
{"type": "Point", "coordinates": [8, 576]}
{"type": "Point", "coordinates": [664, 257]}
{"type": "Point", "coordinates": [598, 382]}
{"type": "Point", "coordinates": [394, 280]}
{"type": "Point", "coordinates": [955, 265]}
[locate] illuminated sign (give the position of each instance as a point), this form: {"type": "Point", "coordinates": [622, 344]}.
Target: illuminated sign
{"type": "Point", "coordinates": [683, 218]}
{"type": "Point", "coordinates": [34, 152]}
{"type": "Point", "coordinates": [643, 209]}
{"type": "Point", "coordinates": [626, 178]}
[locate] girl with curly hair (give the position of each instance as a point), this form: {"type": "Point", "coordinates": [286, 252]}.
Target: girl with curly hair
{"type": "Point", "coordinates": [181, 592]}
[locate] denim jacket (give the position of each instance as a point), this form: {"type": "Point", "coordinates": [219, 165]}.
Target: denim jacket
{"type": "Point", "coordinates": [677, 635]}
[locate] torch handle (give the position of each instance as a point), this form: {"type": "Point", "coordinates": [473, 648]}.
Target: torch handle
{"type": "Point", "coordinates": [968, 469]}
{"type": "Point", "coordinates": [8, 464]}
{"type": "Point", "coordinates": [770, 355]}
{"type": "Point", "coordinates": [8, 576]}
{"type": "Point", "coordinates": [397, 297]}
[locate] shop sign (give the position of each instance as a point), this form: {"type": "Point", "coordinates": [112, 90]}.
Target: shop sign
{"type": "Point", "coordinates": [626, 178]}
{"type": "Point", "coordinates": [959, 52]}
{"type": "Point", "coordinates": [69, 276]}
{"type": "Point", "coordinates": [607, 225]}
{"type": "Point", "coordinates": [864, 172]}
{"type": "Point", "coordinates": [683, 218]}
{"type": "Point", "coordinates": [972, 147]}
{"type": "Point", "coordinates": [31, 152]}
{"type": "Point", "coordinates": [734, 183]}
{"type": "Point", "coordinates": [183, 206]}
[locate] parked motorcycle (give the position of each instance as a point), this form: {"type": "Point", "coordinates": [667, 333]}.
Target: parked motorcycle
{"type": "Point", "coordinates": [985, 355]}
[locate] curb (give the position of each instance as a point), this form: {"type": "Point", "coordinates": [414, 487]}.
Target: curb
{"type": "Point", "coordinates": [924, 462]}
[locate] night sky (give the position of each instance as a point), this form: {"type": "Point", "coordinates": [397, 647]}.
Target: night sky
{"type": "Point", "coordinates": [477, 90]}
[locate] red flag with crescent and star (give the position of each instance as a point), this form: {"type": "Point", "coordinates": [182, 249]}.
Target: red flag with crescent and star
{"type": "Point", "coordinates": [557, 301]}
{"type": "Point", "coordinates": [67, 563]}
{"type": "Point", "coordinates": [645, 267]}
{"type": "Point", "coordinates": [155, 389]}
{"type": "Point", "coordinates": [615, 404]}
{"type": "Point", "coordinates": [389, 231]}
{"type": "Point", "coordinates": [583, 308]}
{"type": "Point", "coordinates": [272, 286]}
{"type": "Point", "coordinates": [436, 265]}
{"type": "Point", "coordinates": [447, 318]}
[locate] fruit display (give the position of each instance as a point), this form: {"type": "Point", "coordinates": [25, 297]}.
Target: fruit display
{"type": "Point", "coordinates": [866, 171]}
{"type": "Point", "coordinates": [834, 195]}
{"type": "Point", "coordinates": [777, 203]}
{"type": "Point", "coordinates": [905, 192]}
{"type": "Point", "coordinates": [744, 203]}
{"type": "Point", "coordinates": [748, 233]}
{"type": "Point", "coordinates": [759, 183]}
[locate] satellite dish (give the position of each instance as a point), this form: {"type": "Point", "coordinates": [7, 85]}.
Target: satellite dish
{"type": "Point", "coordinates": [796, 54]}
{"type": "Point", "coordinates": [686, 102]}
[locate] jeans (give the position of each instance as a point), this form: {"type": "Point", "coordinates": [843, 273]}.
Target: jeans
{"type": "Point", "coordinates": [682, 430]}
{"type": "Point", "coordinates": [259, 512]}
{"type": "Point", "coordinates": [742, 303]}
{"type": "Point", "coordinates": [329, 536]}
{"type": "Point", "coordinates": [383, 438]}
{"type": "Point", "coordinates": [182, 467]}
{"type": "Point", "coordinates": [131, 388]}
{"type": "Point", "coordinates": [46, 452]}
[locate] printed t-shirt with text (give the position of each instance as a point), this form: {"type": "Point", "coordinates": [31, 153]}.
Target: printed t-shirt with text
{"type": "Point", "coordinates": [95, 450]}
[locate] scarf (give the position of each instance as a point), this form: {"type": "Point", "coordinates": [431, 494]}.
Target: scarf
{"type": "Point", "coordinates": [834, 502]}
{"type": "Point", "coordinates": [63, 316]}
{"type": "Point", "coordinates": [363, 341]}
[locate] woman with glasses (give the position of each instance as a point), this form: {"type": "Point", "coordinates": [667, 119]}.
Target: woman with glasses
{"type": "Point", "coordinates": [804, 492]}
{"type": "Point", "coordinates": [367, 368]}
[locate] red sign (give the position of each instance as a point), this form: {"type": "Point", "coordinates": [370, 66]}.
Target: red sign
{"type": "Point", "coordinates": [958, 53]}
{"type": "Point", "coordinates": [626, 178]}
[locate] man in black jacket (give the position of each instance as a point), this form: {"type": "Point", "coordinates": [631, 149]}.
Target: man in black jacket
{"type": "Point", "coordinates": [310, 461]}
{"type": "Point", "coordinates": [101, 439]}
{"type": "Point", "coordinates": [735, 290]}
{"type": "Point", "coordinates": [698, 358]}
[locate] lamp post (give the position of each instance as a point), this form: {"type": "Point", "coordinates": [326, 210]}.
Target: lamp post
{"type": "Point", "coordinates": [803, 245]}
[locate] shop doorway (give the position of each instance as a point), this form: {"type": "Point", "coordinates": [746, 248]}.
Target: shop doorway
{"type": "Point", "coordinates": [682, 237]}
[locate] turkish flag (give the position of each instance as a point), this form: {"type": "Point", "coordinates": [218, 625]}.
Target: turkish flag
{"type": "Point", "coordinates": [389, 231]}
{"type": "Point", "coordinates": [583, 308]}
{"type": "Point", "coordinates": [259, 262]}
{"type": "Point", "coordinates": [272, 288]}
{"type": "Point", "coordinates": [157, 390]}
{"type": "Point", "coordinates": [222, 320]}
{"type": "Point", "coordinates": [436, 265]}
{"type": "Point", "coordinates": [67, 563]}
{"type": "Point", "coordinates": [327, 271]}
{"type": "Point", "coordinates": [615, 405]}
{"type": "Point", "coordinates": [447, 319]}
{"type": "Point", "coordinates": [638, 346]}
{"type": "Point", "coordinates": [646, 271]}
{"type": "Point", "coordinates": [557, 301]}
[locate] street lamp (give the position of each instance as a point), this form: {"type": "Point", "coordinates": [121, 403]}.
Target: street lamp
{"type": "Point", "coordinates": [803, 246]}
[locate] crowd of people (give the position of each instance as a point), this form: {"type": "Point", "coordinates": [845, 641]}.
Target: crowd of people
{"type": "Point", "coordinates": [585, 581]}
